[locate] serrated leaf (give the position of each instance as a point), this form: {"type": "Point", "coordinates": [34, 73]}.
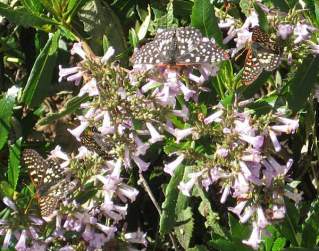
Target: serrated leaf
{"type": "Point", "coordinates": [185, 227]}
{"type": "Point", "coordinates": [70, 107]}
{"type": "Point", "coordinates": [40, 77]}
{"type": "Point", "coordinates": [98, 20]}
{"type": "Point", "coordinates": [6, 111]}
{"type": "Point", "coordinates": [206, 211]}
{"type": "Point", "coordinates": [303, 82]}
{"type": "Point", "coordinates": [21, 16]}
{"type": "Point", "coordinates": [167, 218]}
{"type": "Point", "coordinates": [14, 163]}
{"type": "Point", "coordinates": [310, 229]}
{"type": "Point", "coordinates": [203, 17]}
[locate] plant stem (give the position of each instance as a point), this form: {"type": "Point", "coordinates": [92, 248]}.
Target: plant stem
{"type": "Point", "coordinates": [151, 195]}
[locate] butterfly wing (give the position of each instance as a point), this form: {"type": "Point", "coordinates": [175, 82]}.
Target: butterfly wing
{"type": "Point", "coordinates": [269, 61]}
{"type": "Point", "coordinates": [252, 68]}
{"type": "Point", "coordinates": [194, 49]}
{"type": "Point", "coordinates": [48, 177]}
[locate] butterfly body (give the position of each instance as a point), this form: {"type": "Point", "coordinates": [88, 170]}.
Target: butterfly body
{"type": "Point", "coordinates": [50, 180]}
{"type": "Point", "coordinates": [179, 47]}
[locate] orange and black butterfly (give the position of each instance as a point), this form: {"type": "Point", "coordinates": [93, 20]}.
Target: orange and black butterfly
{"type": "Point", "coordinates": [50, 181]}
{"type": "Point", "coordinates": [263, 54]}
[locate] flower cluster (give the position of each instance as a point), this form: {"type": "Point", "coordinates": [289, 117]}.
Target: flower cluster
{"type": "Point", "coordinates": [245, 163]}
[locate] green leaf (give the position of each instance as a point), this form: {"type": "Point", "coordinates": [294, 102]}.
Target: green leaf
{"type": "Point", "coordinates": [74, 6]}
{"type": "Point", "coordinates": [40, 77]}
{"type": "Point", "coordinates": [263, 22]}
{"type": "Point", "coordinates": [227, 245]}
{"type": "Point", "coordinates": [207, 212]}
{"type": "Point", "coordinates": [167, 218]}
{"type": "Point", "coordinates": [14, 163]}
{"type": "Point", "coordinates": [70, 107]}
{"type": "Point", "coordinates": [6, 110]}
{"type": "Point", "coordinates": [317, 11]}
{"type": "Point", "coordinates": [144, 27]}
{"type": "Point", "coordinates": [33, 6]}
{"type": "Point", "coordinates": [198, 248]}
{"type": "Point", "coordinates": [21, 16]}
{"type": "Point", "coordinates": [238, 231]}
{"type": "Point", "coordinates": [6, 189]}
{"type": "Point", "coordinates": [245, 6]}
{"type": "Point", "coordinates": [185, 227]}
{"type": "Point", "coordinates": [301, 249]}
{"type": "Point", "coordinates": [279, 244]}
{"type": "Point", "coordinates": [99, 20]}
{"type": "Point", "coordinates": [203, 17]}
{"type": "Point", "coordinates": [302, 83]}
{"type": "Point", "coordinates": [310, 229]}
{"type": "Point", "coordinates": [281, 5]}
{"type": "Point", "coordinates": [290, 227]}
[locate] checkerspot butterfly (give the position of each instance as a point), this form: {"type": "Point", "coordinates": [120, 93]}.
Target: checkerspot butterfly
{"type": "Point", "coordinates": [179, 46]}
{"type": "Point", "coordinates": [50, 180]}
{"type": "Point", "coordinates": [263, 54]}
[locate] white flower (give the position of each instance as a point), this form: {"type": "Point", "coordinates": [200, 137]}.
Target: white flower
{"type": "Point", "coordinates": [155, 136]}
{"type": "Point", "coordinates": [108, 54]}
{"type": "Point", "coordinates": [76, 132]}
{"type": "Point", "coordinates": [215, 117]}
{"type": "Point", "coordinates": [90, 88]}
{"type": "Point", "coordinates": [170, 167]}
{"type": "Point", "coordinates": [13, 91]}
{"type": "Point", "coordinates": [255, 237]}
{"type": "Point", "coordinates": [77, 49]}
{"type": "Point", "coordinates": [106, 127]}
{"type": "Point", "coordinates": [142, 165]}
{"type": "Point", "coordinates": [185, 188]}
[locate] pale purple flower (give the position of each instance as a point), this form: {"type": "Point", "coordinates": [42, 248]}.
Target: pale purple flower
{"type": "Point", "coordinates": [291, 125]}
{"type": "Point", "coordinates": [199, 80]}
{"type": "Point", "coordinates": [115, 212]}
{"type": "Point", "coordinates": [222, 152]}
{"type": "Point", "coordinates": [274, 140]}
{"type": "Point", "coordinates": [73, 74]}
{"type": "Point", "coordinates": [108, 54]}
{"type": "Point", "coordinates": [262, 222]}
{"type": "Point", "coordinates": [185, 188]}
{"type": "Point", "coordinates": [252, 155]}
{"type": "Point", "coordinates": [72, 224]}
{"type": "Point", "coordinates": [7, 239]}
{"type": "Point", "coordinates": [109, 231]}
{"type": "Point", "coordinates": [256, 141]}
{"type": "Point", "coordinates": [37, 246]}
{"type": "Point", "coordinates": [106, 127]}
{"type": "Point", "coordinates": [125, 192]}
{"type": "Point", "coordinates": [215, 117]}
{"type": "Point", "coordinates": [83, 152]}
{"type": "Point", "coordinates": [164, 97]}
{"type": "Point", "coordinates": [155, 136]}
{"type": "Point", "coordinates": [208, 70]}
{"type": "Point", "coordinates": [182, 133]}
{"type": "Point", "coordinates": [284, 30]}
{"type": "Point", "coordinates": [149, 85]}
{"type": "Point", "coordinates": [226, 23]}
{"type": "Point", "coordinates": [244, 126]}
{"type": "Point", "coordinates": [255, 238]}
{"type": "Point", "coordinates": [315, 48]}
{"type": "Point", "coordinates": [21, 244]}
{"type": "Point", "coordinates": [188, 93]}
{"type": "Point", "coordinates": [243, 36]}
{"type": "Point", "coordinates": [142, 165]}
{"type": "Point", "coordinates": [252, 20]}
{"type": "Point", "coordinates": [302, 32]}
{"type": "Point", "coordinates": [141, 147]}
{"type": "Point", "coordinates": [170, 167]}
{"type": "Point", "coordinates": [77, 131]}
{"type": "Point", "coordinates": [9, 203]}
{"type": "Point", "coordinates": [278, 212]}
{"type": "Point", "coordinates": [90, 88]}
{"type": "Point", "coordinates": [67, 248]}
{"type": "Point", "coordinates": [251, 173]}
{"type": "Point", "coordinates": [226, 192]}
{"type": "Point", "coordinates": [238, 208]}
{"type": "Point", "coordinates": [241, 186]}
{"type": "Point", "coordinates": [184, 113]}
{"type": "Point", "coordinates": [281, 170]}
{"type": "Point", "coordinates": [136, 237]}
{"type": "Point", "coordinates": [58, 153]}
{"type": "Point", "coordinates": [296, 197]}
{"type": "Point", "coordinates": [98, 241]}
{"type": "Point", "coordinates": [77, 49]}
{"type": "Point", "coordinates": [248, 212]}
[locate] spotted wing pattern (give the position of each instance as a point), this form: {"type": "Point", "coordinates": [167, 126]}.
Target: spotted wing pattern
{"type": "Point", "coordinates": [264, 54]}
{"type": "Point", "coordinates": [179, 46]}
{"type": "Point", "coordinates": [50, 181]}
